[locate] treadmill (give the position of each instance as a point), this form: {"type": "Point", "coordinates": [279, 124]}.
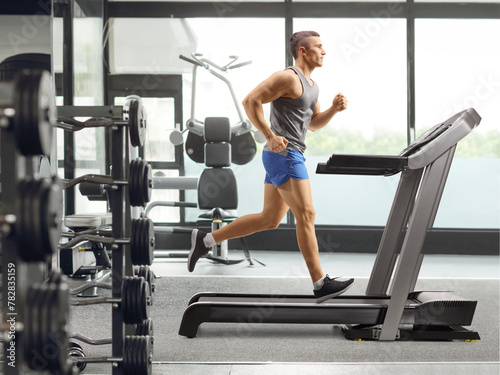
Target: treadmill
{"type": "Point", "coordinates": [386, 312]}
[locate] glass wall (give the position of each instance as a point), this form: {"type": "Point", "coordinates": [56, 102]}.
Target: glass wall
{"type": "Point", "coordinates": [458, 67]}
{"type": "Point", "coordinates": [366, 61]}
{"type": "Point", "coordinates": [88, 79]}
{"type": "Point", "coordinates": [217, 39]}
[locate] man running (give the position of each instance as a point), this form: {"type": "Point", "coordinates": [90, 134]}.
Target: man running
{"type": "Point", "coordinates": [294, 110]}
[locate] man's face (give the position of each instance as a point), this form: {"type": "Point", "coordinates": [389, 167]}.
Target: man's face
{"type": "Point", "coordinates": [315, 52]}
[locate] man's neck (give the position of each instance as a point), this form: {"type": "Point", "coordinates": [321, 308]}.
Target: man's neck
{"type": "Point", "coordinates": [305, 69]}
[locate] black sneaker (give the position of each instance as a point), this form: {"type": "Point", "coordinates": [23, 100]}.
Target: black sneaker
{"type": "Point", "coordinates": [332, 288]}
{"type": "Point", "coordinates": [198, 248]}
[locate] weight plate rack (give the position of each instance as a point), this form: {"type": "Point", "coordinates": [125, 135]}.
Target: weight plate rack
{"type": "Point", "coordinates": [131, 240]}
{"type": "Point", "coordinates": [37, 309]}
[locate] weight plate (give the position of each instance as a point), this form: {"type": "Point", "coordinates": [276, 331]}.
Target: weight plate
{"type": "Point", "coordinates": [145, 328]}
{"type": "Point", "coordinates": [126, 286]}
{"type": "Point", "coordinates": [144, 242]}
{"type": "Point", "coordinates": [147, 187]}
{"type": "Point", "coordinates": [139, 301]}
{"type": "Point", "coordinates": [141, 171]}
{"type": "Point", "coordinates": [137, 123]}
{"type": "Point", "coordinates": [134, 237]}
{"type": "Point", "coordinates": [137, 355]}
{"type": "Point", "coordinates": [50, 322]}
{"type": "Point", "coordinates": [151, 242]}
{"type": "Point", "coordinates": [136, 177]}
{"type": "Point", "coordinates": [145, 300]}
{"type": "Point", "coordinates": [131, 304]}
{"type": "Point", "coordinates": [128, 356]}
{"type": "Point", "coordinates": [138, 240]}
{"type": "Point", "coordinates": [195, 147]}
{"type": "Point", "coordinates": [35, 116]}
{"type": "Point", "coordinates": [31, 312]}
{"type": "Point", "coordinates": [148, 275]}
{"type": "Point", "coordinates": [75, 350]}
{"type": "Point", "coordinates": [51, 215]}
{"type": "Point", "coordinates": [141, 243]}
{"type": "Point", "coordinates": [29, 233]}
{"type": "Point", "coordinates": [21, 224]}
{"type": "Point", "coordinates": [131, 179]}
{"type": "Point", "coordinates": [58, 335]}
{"type": "Point", "coordinates": [43, 328]}
{"type": "Point", "coordinates": [36, 219]}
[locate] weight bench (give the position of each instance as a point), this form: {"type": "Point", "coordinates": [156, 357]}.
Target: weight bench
{"type": "Point", "coordinates": [77, 261]}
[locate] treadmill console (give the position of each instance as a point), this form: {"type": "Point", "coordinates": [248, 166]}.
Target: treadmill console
{"type": "Point", "coordinates": [420, 153]}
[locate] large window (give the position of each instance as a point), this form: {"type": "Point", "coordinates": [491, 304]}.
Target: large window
{"type": "Point", "coordinates": [457, 67]}
{"type": "Point", "coordinates": [88, 91]}
{"type": "Point", "coordinates": [366, 61]}
{"type": "Point", "coordinates": [217, 39]}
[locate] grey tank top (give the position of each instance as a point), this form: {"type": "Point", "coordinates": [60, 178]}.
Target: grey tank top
{"type": "Point", "coordinates": [290, 118]}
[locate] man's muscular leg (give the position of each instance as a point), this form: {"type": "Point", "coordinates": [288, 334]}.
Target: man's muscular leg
{"type": "Point", "coordinates": [297, 195]}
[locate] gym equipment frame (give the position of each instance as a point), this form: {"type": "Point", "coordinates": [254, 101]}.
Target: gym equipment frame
{"type": "Point", "coordinates": [383, 313]}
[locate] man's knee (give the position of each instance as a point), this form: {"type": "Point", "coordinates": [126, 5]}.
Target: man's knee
{"type": "Point", "coordinates": [306, 216]}
{"type": "Point", "coordinates": [270, 221]}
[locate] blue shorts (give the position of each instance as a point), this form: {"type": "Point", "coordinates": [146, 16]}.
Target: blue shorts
{"type": "Point", "coordinates": [280, 168]}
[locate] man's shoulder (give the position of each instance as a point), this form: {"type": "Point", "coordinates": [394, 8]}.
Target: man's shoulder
{"type": "Point", "coordinates": [287, 76]}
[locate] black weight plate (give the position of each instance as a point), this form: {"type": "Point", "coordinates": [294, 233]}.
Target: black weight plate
{"type": "Point", "coordinates": [51, 215]}
{"type": "Point", "coordinates": [139, 183]}
{"type": "Point", "coordinates": [51, 322]}
{"type": "Point", "coordinates": [44, 323]}
{"type": "Point", "coordinates": [148, 275]}
{"type": "Point", "coordinates": [21, 238]}
{"type": "Point", "coordinates": [37, 326]}
{"type": "Point", "coordinates": [138, 308]}
{"type": "Point", "coordinates": [151, 242]}
{"type": "Point", "coordinates": [243, 148]}
{"type": "Point", "coordinates": [147, 352]}
{"type": "Point", "coordinates": [131, 180]}
{"type": "Point", "coordinates": [36, 219]}
{"type": "Point", "coordinates": [136, 253]}
{"type": "Point", "coordinates": [35, 112]}
{"type": "Point", "coordinates": [75, 350]}
{"type": "Point", "coordinates": [128, 356]}
{"type": "Point", "coordinates": [134, 241]}
{"type": "Point", "coordinates": [147, 189]}
{"type": "Point", "coordinates": [126, 299]}
{"type": "Point", "coordinates": [55, 277]}
{"type": "Point", "coordinates": [29, 233]}
{"type": "Point", "coordinates": [59, 317]}
{"type": "Point", "coordinates": [137, 123]}
{"type": "Point", "coordinates": [144, 241]}
{"type": "Point", "coordinates": [145, 328]}
{"type": "Point", "coordinates": [136, 355]}
{"type": "Point", "coordinates": [31, 311]}
{"type": "Point", "coordinates": [195, 147]}
{"type": "Point", "coordinates": [23, 108]}
{"type": "Point", "coordinates": [136, 177]}
{"type": "Point", "coordinates": [74, 345]}
{"type": "Point", "coordinates": [142, 299]}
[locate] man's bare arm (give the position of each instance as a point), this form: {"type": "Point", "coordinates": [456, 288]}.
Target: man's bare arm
{"type": "Point", "coordinates": [278, 85]}
{"type": "Point", "coordinates": [321, 119]}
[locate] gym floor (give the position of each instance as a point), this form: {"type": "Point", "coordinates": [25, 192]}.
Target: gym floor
{"type": "Point", "coordinates": [291, 265]}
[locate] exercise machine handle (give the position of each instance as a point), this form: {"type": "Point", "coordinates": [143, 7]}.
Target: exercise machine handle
{"type": "Point", "coordinates": [192, 61]}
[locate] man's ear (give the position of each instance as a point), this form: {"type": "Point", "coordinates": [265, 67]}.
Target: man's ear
{"type": "Point", "coordinates": [302, 50]}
